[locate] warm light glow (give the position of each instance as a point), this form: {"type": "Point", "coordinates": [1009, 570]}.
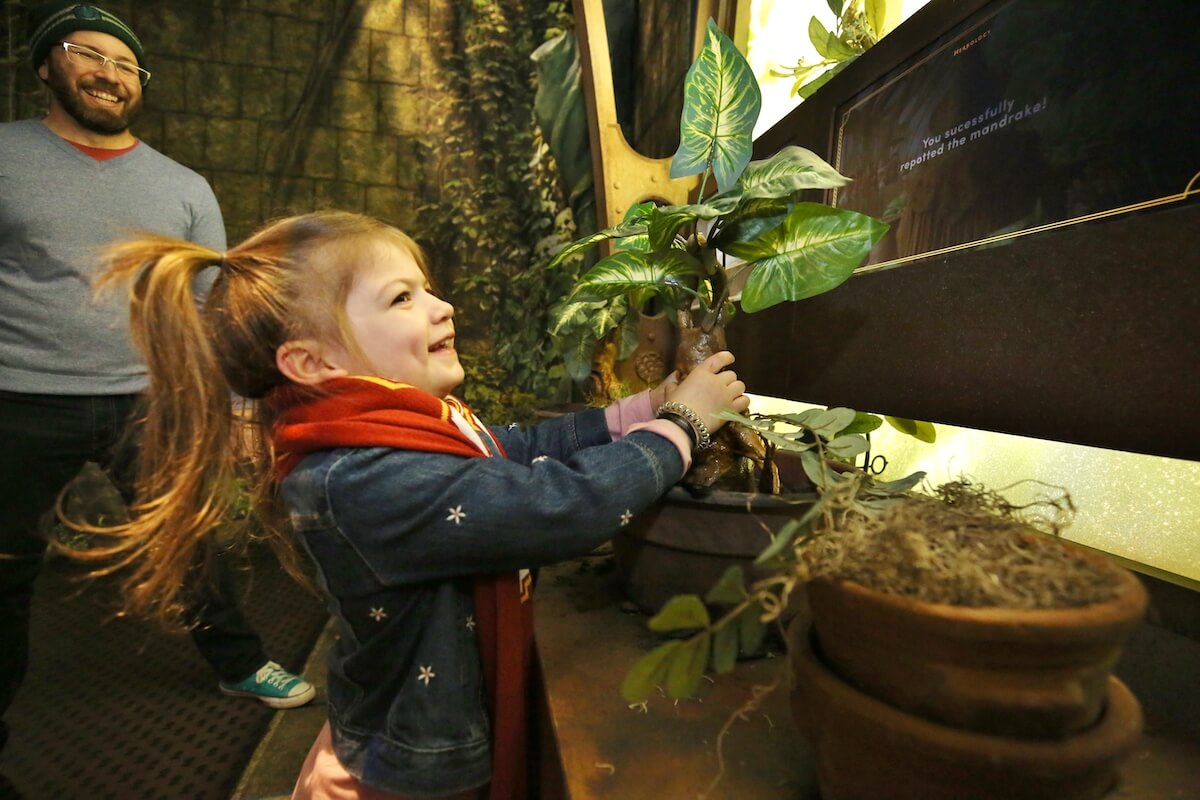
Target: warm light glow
{"type": "Point", "coordinates": [1142, 508]}
{"type": "Point", "coordinates": [778, 38]}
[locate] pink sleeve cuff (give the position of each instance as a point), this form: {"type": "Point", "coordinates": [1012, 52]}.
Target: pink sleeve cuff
{"type": "Point", "coordinates": [672, 433]}
{"type": "Point", "coordinates": [627, 412]}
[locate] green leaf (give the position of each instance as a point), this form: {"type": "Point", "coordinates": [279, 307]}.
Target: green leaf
{"type": "Point", "coordinates": [819, 36]}
{"type": "Point", "coordinates": [637, 219]}
{"type": "Point", "coordinates": [848, 446]}
{"type": "Point", "coordinates": [666, 221]}
{"type": "Point", "coordinates": [586, 243]}
{"type": "Point", "coordinates": [788, 532]}
{"type": "Point", "coordinates": [681, 612]}
{"type": "Point", "coordinates": [751, 630]}
{"type": "Point", "coordinates": [791, 170]}
{"type": "Point", "coordinates": [613, 314]}
{"type": "Point", "coordinates": [815, 249]}
{"type": "Point", "coordinates": [783, 537]}
{"type": "Point", "coordinates": [648, 672]}
{"type": "Point", "coordinates": [627, 337]}
{"type": "Point", "coordinates": [806, 91]}
{"type": "Point", "coordinates": [639, 212]}
{"type": "Point", "coordinates": [665, 225]}
{"type": "Point", "coordinates": [751, 220]}
{"type": "Point", "coordinates": [640, 275]}
{"type": "Point", "coordinates": [880, 17]}
{"type": "Point", "coordinates": [838, 49]}
{"type": "Point", "coordinates": [896, 486]}
{"type": "Point", "coordinates": [577, 350]}
{"type": "Point", "coordinates": [923, 431]}
{"type": "Point", "coordinates": [835, 6]}
{"type": "Point", "coordinates": [863, 423]}
{"type": "Point", "coordinates": [574, 312]}
{"type": "Point", "coordinates": [725, 648]}
{"type": "Point", "coordinates": [805, 417]}
{"type": "Point", "coordinates": [686, 665]}
{"type": "Point", "coordinates": [730, 589]}
{"type": "Point", "coordinates": [721, 101]}
{"type": "Point", "coordinates": [825, 478]}
{"type": "Point", "coordinates": [828, 422]}
{"type": "Point", "coordinates": [787, 441]}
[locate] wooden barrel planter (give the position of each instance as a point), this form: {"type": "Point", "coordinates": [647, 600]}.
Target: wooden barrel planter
{"type": "Point", "coordinates": [1032, 673]}
{"type": "Point", "coordinates": [866, 749]}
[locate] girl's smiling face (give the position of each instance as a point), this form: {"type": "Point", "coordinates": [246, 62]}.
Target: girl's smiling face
{"type": "Point", "coordinates": [404, 332]}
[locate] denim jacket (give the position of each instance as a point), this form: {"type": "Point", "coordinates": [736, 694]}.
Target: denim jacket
{"type": "Point", "coordinates": [397, 537]}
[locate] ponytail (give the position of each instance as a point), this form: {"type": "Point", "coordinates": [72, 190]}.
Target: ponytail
{"type": "Point", "coordinates": [289, 280]}
{"type": "Point", "coordinates": [197, 453]}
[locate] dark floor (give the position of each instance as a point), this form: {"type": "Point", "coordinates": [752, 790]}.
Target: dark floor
{"type": "Point", "coordinates": [274, 766]}
{"type": "Point", "coordinates": [113, 708]}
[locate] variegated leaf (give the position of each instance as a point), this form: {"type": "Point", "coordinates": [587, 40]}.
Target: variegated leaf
{"type": "Point", "coordinates": [625, 229]}
{"type": "Point", "coordinates": [721, 105]}
{"type": "Point", "coordinates": [815, 249]}
{"type": "Point", "coordinates": [791, 170]}
{"type": "Point", "coordinates": [640, 274]}
{"type": "Point", "coordinates": [666, 221]}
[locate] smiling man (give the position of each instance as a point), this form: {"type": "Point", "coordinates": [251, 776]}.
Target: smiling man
{"type": "Point", "coordinates": [95, 77]}
{"type": "Point", "coordinates": [70, 379]}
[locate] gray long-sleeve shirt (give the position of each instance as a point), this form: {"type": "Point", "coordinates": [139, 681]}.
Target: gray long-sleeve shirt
{"type": "Point", "coordinates": [58, 207]}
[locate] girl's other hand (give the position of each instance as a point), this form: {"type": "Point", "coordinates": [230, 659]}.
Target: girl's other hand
{"type": "Point", "coordinates": [710, 388]}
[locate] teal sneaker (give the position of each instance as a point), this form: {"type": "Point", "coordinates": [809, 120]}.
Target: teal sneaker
{"type": "Point", "coordinates": [273, 686]}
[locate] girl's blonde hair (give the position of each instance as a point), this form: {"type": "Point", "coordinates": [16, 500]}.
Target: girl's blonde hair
{"type": "Point", "coordinates": [195, 445]}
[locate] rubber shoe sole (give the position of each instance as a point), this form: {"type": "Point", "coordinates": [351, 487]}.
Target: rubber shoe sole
{"type": "Point", "coordinates": [275, 702]}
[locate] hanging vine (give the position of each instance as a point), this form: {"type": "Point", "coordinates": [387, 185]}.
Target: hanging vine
{"type": "Point", "coordinates": [21, 90]}
{"type": "Point", "coordinates": [500, 213]}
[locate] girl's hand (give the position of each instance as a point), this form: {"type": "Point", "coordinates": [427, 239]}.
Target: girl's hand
{"type": "Point", "coordinates": [710, 388]}
{"type": "Point", "coordinates": [662, 393]}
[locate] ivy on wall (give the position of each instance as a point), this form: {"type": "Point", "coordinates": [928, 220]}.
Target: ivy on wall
{"type": "Point", "coordinates": [500, 213]}
{"type": "Point", "coordinates": [21, 91]}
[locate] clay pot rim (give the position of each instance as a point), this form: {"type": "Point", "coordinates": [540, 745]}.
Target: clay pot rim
{"type": "Point", "coordinates": [1126, 608]}
{"type": "Point", "coordinates": [1118, 728]}
{"type": "Point", "coordinates": [742, 500]}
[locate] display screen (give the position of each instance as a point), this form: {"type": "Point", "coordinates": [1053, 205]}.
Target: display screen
{"type": "Point", "coordinates": [1033, 115]}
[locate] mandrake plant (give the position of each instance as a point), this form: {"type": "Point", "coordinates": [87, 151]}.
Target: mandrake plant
{"type": "Point", "coordinates": [751, 240]}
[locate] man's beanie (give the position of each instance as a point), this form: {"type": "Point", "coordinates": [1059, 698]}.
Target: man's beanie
{"type": "Point", "coordinates": [49, 23]}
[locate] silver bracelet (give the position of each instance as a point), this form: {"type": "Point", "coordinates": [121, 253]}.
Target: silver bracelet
{"type": "Point", "coordinates": [702, 438]}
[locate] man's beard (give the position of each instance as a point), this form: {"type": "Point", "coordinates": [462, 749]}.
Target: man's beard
{"type": "Point", "coordinates": [97, 120]}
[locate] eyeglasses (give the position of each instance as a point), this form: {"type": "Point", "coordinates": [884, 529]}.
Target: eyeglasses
{"type": "Point", "coordinates": [89, 58]}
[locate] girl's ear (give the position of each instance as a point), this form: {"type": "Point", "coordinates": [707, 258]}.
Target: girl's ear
{"type": "Point", "coordinates": [305, 361]}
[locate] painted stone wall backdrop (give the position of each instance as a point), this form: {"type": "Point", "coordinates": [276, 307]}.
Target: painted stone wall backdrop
{"type": "Point", "coordinates": [419, 112]}
{"type": "Point", "coordinates": [284, 105]}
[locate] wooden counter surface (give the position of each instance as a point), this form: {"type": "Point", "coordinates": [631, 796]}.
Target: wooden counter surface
{"type": "Point", "coordinates": [667, 751]}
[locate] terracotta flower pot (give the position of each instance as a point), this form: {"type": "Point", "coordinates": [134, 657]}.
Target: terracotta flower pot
{"type": "Point", "coordinates": [1028, 673]}
{"type": "Point", "coordinates": [683, 544]}
{"type": "Point", "coordinates": [867, 750]}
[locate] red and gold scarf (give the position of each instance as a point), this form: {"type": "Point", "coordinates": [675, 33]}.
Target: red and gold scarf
{"type": "Point", "coordinates": [371, 412]}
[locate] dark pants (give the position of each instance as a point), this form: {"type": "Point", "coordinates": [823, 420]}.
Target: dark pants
{"type": "Point", "coordinates": [45, 440]}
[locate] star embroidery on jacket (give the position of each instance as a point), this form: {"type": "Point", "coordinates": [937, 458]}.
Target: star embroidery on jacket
{"type": "Point", "coordinates": [626, 517]}
{"type": "Point", "coordinates": [540, 459]}
{"type": "Point", "coordinates": [377, 614]}
{"type": "Point", "coordinates": [426, 674]}
{"type": "Point", "coordinates": [457, 515]}
{"type": "Point", "coordinates": [512, 426]}
{"type": "Point", "coordinates": [470, 622]}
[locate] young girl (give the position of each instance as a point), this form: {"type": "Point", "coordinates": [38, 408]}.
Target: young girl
{"type": "Point", "coordinates": [422, 523]}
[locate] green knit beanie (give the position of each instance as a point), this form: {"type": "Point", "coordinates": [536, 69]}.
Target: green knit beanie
{"type": "Point", "coordinates": [49, 23]}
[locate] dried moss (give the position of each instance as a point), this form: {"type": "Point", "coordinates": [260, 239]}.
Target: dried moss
{"type": "Point", "coordinates": [966, 547]}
